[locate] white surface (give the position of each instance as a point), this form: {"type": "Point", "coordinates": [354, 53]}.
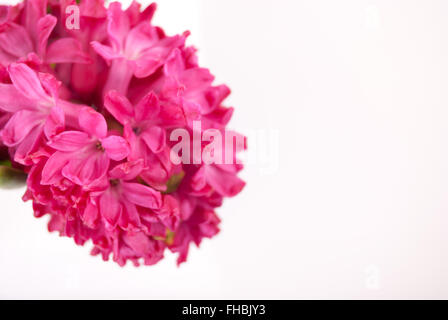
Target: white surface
{"type": "Point", "coordinates": [358, 205]}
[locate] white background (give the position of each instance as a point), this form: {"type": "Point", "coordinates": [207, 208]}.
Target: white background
{"type": "Point", "coordinates": [357, 206]}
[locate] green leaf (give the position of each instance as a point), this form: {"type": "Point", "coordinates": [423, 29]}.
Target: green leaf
{"type": "Point", "coordinates": [5, 163]}
{"type": "Point", "coordinates": [11, 178]}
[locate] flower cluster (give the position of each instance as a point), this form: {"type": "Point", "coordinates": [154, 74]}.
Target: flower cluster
{"type": "Point", "coordinates": [87, 114]}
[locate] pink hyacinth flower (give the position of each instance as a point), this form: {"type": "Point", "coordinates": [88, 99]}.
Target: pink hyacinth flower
{"type": "Point", "coordinates": [29, 42]}
{"type": "Point", "coordinates": [144, 129]}
{"type": "Point", "coordinates": [86, 113]}
{"type": "Point", "coordinates": [136, 51]}
{"type": "Point", "coordinates": [192, 87]}
{"type": "Point", "coordinates": [83, 157]}
{"type": "Point", "coordinates": [37, 110]}
{"type": "Point", "coordinates": [142, 122]}
{"type": "Point", "coordinates": [202, 224]}
{"type": "Point", "coordinates": [119, 203]}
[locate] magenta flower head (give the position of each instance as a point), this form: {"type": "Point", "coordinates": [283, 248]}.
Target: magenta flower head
{"type": "Point", "coordinates": [117, 129]}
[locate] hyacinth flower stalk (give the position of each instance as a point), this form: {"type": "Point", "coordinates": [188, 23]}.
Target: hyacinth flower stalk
{"type": "Point", "coordinates": [87, 115]}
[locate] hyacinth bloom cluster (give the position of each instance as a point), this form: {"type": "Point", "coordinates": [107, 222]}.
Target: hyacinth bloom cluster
{"type": "Point", "coordinates": [86, 113]}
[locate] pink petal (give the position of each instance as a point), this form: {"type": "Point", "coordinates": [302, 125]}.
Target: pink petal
{"type": "Point", "coordinates": [220, 116]}
{"type": "Point", "coordinates": [172, 115]}
{"type": "Point", "coordinates": [141, 37]}
{"type": "Point", "coordinates": [138, 147]}
{"type": "Point", "coordinates": [181, 243]}
{"type": "Point", "coordinates": [147, 65]}
{"type": "Point", "coordinates": [174, 65]}
{"type": "Point", "coordinates": [127, 171]}
{"type": "Point", "coordinates": [198, 181]}
{"type": "Point", "coordinates": [138, 241]}
{"type": "Point", "coordinates": [56, 223]}
{"type": "Point", "coordinates": [155, 176]}
{"type": "Point", "coordinates": [192, 111]}
{"type": "Point", "coordinates": [35, 10]}
{"type": "Point", "coordinates": [207, 222]}
{"type": "Point", "coordinates": [118, 25]}
{"type": "Point", "coordinates": [148, 107]}
{"type": "Point", "coordinates": [16, 41]}
{"type": "Point", "coordinates": [26, 82]}
{"type": "Point", "coordinates": [19, 126]}
{"type": "Point", "coordinates": [116, 147]}
{"type": "Point", "coordinates": [86, 169]}
{"type": "Point", "coordinates": [155, 138]}
{"type": "Point", "coordinates": [196, 79]}
{"type": "Point", "coordinates": [169, 213]}
{"type": "Point", "coordinates": [215, 97]}
{"type": "Point", "coordinates": [51, 173]}
{"type": "Point", "coordinates": [71, 111]}
{"type": "Point", "coordinates": [92, 122]}
{"type": "Point", "coordinates": [6, 58]}
{"type": "Point", "coordinates": [50, 84]}
{"type": "Point", "coordinates": [93, 8]}
{"type": "Point", "coordinates": [11, 100]}
{"type": "Point", "coordinates": [5, 12]}
{"type": "Point", "coordinates": [130, 218]}
{"type": "Point", "coordinates": [90, 215]}
{"type": "Point", "coordinates": [45, 26]}
{"type": "Point", "coordinates": [148, 13]}
{"type": "Point", "coordinates": [110, 208]}
{"type": "Point", "coordinates": [106, 52]}
{"type": "Point", "coordinates": [4, 118]}
{"type": "Point", "coordinates": [225, 183]}
{"type": "Point", "coordinates": [84, 77]}
{"type": "Point", "coordinates": [119, 106]}
{"type": "Point", "coordinates": [133, 12]}
{"type": "Point", "coordinates": [32, 142]}
{"type": "Point", "coordinates": [142, 196]}
{"type": "Point", "coordinates": [119, 76]}
{"type": "Point", "coordinates": [55, 122]}
{"type": "Point", "coordinates": [69, 141]}
{"type": "Point", "coordinates": [155, 55]}
{"type": "Point", "coordinates": [158, 169]}
{"type": "Point", "coordinates": [66, 50]}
